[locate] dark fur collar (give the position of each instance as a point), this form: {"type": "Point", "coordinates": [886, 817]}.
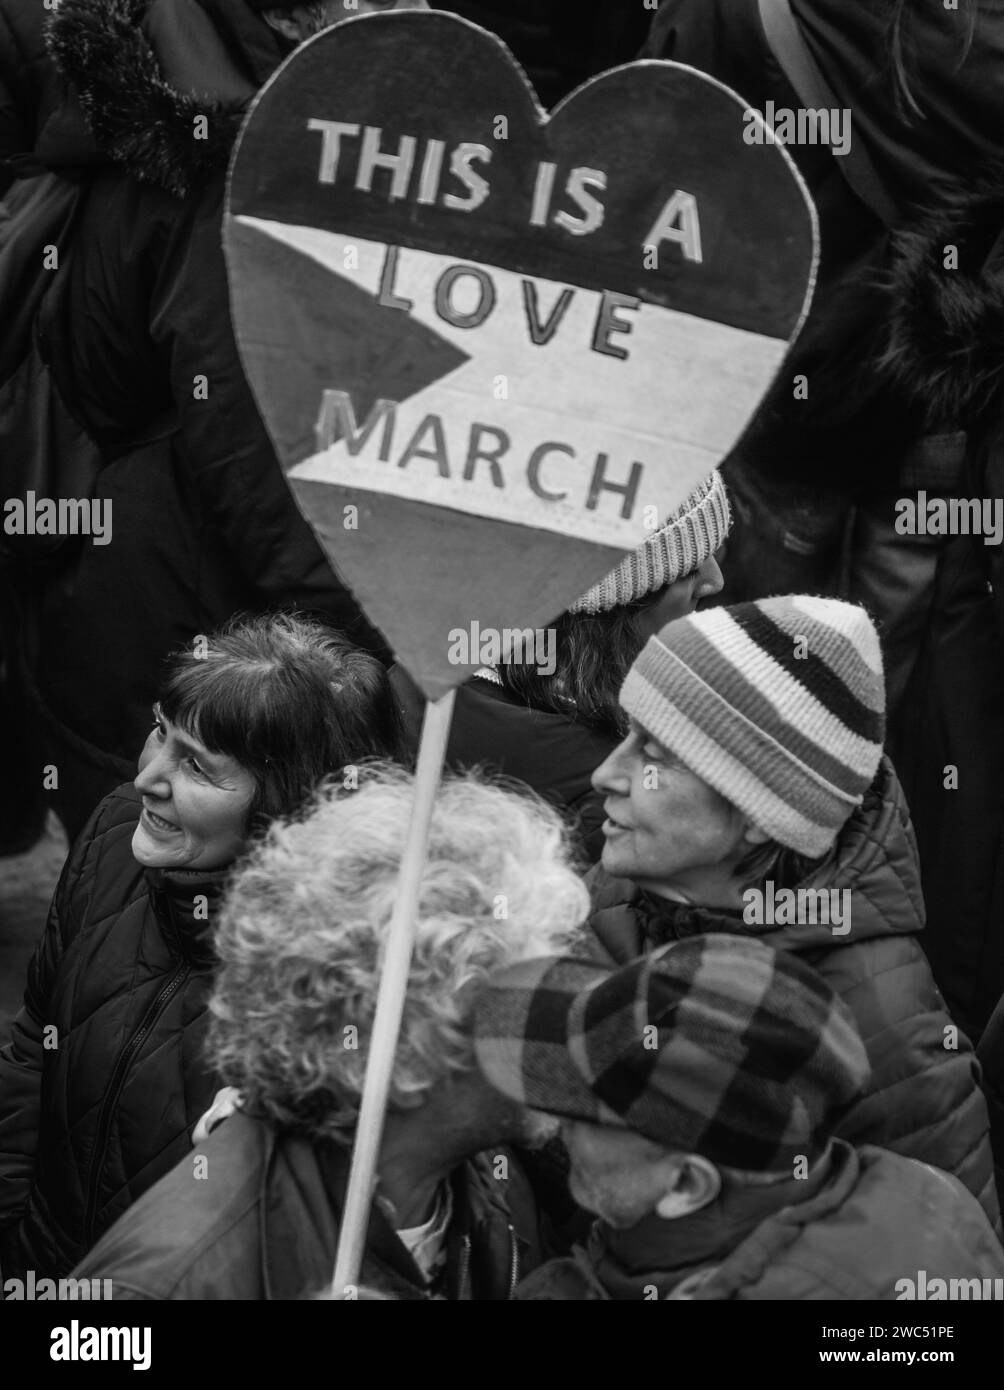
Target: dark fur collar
{"type": "Point", "coordinates": [944, 344]}
{"type": "Point", "coordinates": [137, 118]}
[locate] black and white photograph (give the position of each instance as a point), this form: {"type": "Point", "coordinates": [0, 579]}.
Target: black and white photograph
{"type": "Point", "coordinates": [502, 673]}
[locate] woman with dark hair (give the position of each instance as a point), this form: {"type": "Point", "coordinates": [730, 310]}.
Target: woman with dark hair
{"type": "Point", "coordinates": [103, 1079]}
{"type": "Point", "coordinates": [550, 729]}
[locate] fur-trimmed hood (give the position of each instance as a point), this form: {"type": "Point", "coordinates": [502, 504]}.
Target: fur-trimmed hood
{"type": "Point", "coordinates": [144, 71]}
{"type": "Point", "coordinates": [944, 341]}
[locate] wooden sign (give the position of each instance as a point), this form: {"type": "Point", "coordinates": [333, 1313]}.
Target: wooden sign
{"type": "Point", "coordinates": [494, 349]}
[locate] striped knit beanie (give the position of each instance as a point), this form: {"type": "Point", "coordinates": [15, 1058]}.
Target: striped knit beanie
{"type": "Point", "coordinates": [778, 704]}
{"type": "Point", "coordinates": [694, 532]}
{"type": "Point", "coordinates": [716, 1045]}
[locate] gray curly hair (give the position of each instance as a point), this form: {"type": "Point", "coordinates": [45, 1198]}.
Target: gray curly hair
{"type": "Point", "coordinates": [303, 927]}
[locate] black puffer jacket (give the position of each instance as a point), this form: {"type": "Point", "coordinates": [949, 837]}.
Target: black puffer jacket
{"type": "Point", "coordinates": [103, 1080]}
{"type": "Point", "coordinates": [924, 1100]}
{"type": "Point", "coordinates": [203, 524]}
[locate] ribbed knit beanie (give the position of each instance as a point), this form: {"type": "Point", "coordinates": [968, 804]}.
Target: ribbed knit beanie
{"type": "Point", "coordinates": [778, 704]}
{"type": "Point", "coordinates": [695, 530]}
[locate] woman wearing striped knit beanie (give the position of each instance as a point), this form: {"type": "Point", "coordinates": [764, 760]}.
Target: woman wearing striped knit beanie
{"type": "Point", "coordinates": [603, 630]}
{"type": "Point", "coordinates": [751, 795]}
{"type": "Point", "coordinates": [549, 728]}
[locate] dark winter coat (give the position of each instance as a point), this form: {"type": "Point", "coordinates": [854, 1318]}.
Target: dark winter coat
{"type": "Point", "coordinates": [806, 460]}
{"type": "Point", "coordinates": [924, 1100]}
{"type": "Point", "coordinates": [203, 524]}
{"type": "Point", "coordinates": [103, 1079]}
{"type": "Point", "coordinates": [547, 751]}
{"type": "Point", "coordinates": [32, 95]}
{"type": "Point", "coordinates": [945, 347]}
{"type": "Point", "coordinates": [850, 431]}
{"type": "Point", "coordinates": [560, 43]}
{"type": "Point", "coordinates": [264, 1225]}
{"type": "Point", "coordinates": [877, 1220]}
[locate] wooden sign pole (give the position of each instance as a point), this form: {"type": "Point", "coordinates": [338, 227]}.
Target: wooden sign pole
{"type": "Point", "coordinates": [390, 999]}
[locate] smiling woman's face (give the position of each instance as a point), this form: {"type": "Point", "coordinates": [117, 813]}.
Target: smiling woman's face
{"type": "Point", "coordinates": [666, 828]}
{"type": "Point", "coordinates": [195, 802]}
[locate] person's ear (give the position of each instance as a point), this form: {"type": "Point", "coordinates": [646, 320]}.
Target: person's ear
{"type": "Point", "coordinates": [284, 23]}
{"type": "Point", "coordinates": [695, 1183]}
{"type": "Point", "coordinates": [710, 580]}
{"type": "Point", "coordinates": [753, 835]}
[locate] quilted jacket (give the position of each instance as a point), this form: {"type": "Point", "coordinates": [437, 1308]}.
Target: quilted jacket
{"type": "Point", "coordinates": [103, 1080]}
{"type": "Point", "coordinates": [924, 1100]}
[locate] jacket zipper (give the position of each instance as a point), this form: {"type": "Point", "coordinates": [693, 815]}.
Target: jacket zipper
{"type": "Point", "coordinates": [115, 1085]}
{"type": "Point", "coordinates": [463, 1282]}
{"type": "Point", "coordinates": [513, 1261]}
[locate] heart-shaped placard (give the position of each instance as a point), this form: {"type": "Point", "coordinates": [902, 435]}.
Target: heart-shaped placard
{"type": "Point", "coordinates": [495, 349]}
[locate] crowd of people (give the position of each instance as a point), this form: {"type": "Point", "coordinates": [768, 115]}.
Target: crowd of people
{"type": "Point", "coordinates": [707, 993]}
